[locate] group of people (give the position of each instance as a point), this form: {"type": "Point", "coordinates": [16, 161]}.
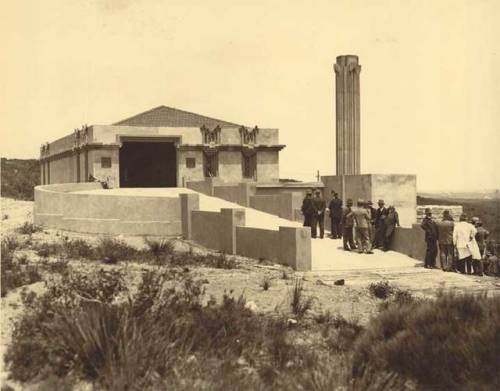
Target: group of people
{"type": "Point", "coordinates": [462, 245]}
{"type": "Point", "coordinates": [362, 228]}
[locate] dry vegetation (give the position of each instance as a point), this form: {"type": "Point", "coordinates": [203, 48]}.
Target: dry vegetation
{"type": "Point", "coordinates": [116, 315]}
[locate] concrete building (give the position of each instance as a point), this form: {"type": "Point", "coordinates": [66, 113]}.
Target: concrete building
{"type": "Point", "coordinates": [163, 147]}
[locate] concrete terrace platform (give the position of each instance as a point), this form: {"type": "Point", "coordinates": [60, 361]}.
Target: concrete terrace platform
{"type": "Point", "coordinates": [87, 208]}
{"type": "Point", "coordinates": [327, 254]}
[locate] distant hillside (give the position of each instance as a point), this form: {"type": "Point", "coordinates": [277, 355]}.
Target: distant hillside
{"type": "Point", "coordinates": [488, 210]}
{"type": "Point", "coordinates": [19, 177]}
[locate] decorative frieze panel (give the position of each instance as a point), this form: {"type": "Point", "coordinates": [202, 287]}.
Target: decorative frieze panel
{"type": "Point", "coordinates": [249, 136]}
{"type": "Point", "coordinates": [210, 136]}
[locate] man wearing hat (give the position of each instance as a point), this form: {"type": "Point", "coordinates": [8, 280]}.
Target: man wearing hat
{"type": "Point", "coordinates": [348, 226]}
{"type": "Point", "coordinates": [380, 215]}
{"type": "Point", "coordinates": [362, 220]}
{"type": "Point", "coordinates": [445, 240]}
{"type": "Point", "coordinates": [335, 208]}
{"type": "Point", "coordinates": [319, 207]}
{"type": "Point", "coordinates": [307, 209]}
{"type": "Point", "coordinates": [431, 238]}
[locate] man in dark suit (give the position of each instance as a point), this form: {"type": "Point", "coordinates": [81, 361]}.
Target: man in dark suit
{"type": "Point", "coordinates": [335, 208]}
{"type": "Point", "coordinates": [308, 209]}
{"type": "Point", "coordinates": [431, 238]}
{"type": "Point", "coordinates": [380, 216]}
{"type": "Point", "coordinates": [319, 207]}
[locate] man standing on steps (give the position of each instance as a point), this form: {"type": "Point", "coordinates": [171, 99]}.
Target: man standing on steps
{"type": "Point", "coordinates": [307, 209]}
{"type": "Point", "coordinates": [362, 220]}
{"type": "Point", "coordinates": [348, 226]}
{"type": "Point", "coordinates": [319, 207]}
{"type": "Point", "coordinates": [431, 238]}
{"type": "Point", "coordinates": [335, 208]}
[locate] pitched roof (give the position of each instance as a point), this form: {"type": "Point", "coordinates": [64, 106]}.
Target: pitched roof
{"type": "Point", "coordinates": [168, 116]}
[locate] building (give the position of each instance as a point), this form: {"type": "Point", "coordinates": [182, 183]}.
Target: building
{"type": "Point", "coordinates": [163, 147]}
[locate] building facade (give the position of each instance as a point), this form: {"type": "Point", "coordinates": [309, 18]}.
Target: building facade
{"type": "Point", "coordinates": [163, 147]}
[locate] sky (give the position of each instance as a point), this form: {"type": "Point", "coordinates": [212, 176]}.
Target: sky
{"type": "Point", "coordinates": [430, 84]}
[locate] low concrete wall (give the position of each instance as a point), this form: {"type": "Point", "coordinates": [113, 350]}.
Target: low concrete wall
{"type": "Point", "coordinates": [247, 238]}
{"type": "Point", "coordinates": [239, 193]}
{"type": "Point", "coordinates": [410, 241]}
{"type": "Point", "coordinates": [58, 206]}
{"type": "Point", "coordinates": [283, 205]}
{"type": "Point", "coordinates": [225, 231]}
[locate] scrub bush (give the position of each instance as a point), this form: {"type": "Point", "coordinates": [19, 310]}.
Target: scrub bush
{"type": "Point", "coordinates": [451, 343]}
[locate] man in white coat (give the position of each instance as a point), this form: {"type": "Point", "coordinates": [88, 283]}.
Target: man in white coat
{"type": "Point", "coordinates": [463, 239]}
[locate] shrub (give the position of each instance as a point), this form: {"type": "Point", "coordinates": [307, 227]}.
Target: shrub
{"type": "Point", "coordinates": [218, 261]}
{"type": "Point", "coordinates": [381, 289]}
{"type": "Point", "coordinates": [78, 248]}
{"type": "Point", "coordinates": [299, 303]}
{"type": "Point", "coordinates": [46, 250]}
{"type": "Point", "coordinates": [161, 250]}
{"type": "Point", "coordinates": [15, 272]}
{"type": "Point", "coordinates": [113, 250]}
{"type": "Point", "coordinates": [28, 228]}
{"type": "Point", "coordinates": [9, 244]}
{"type": "Point", "coordinates": [266, 282]}
{"type": "Point", "coordinates": [448, 343]}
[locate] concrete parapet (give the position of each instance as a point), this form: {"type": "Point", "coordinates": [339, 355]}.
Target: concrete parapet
{"type": "Point", "coordinates": [283, 205]}
{"type": "Point", "coordinates": [239, 193]}
{"type": "Point", "coordinates": [395, 189]}
{"type": "Point", "coordinates": [410, 241]}
{"type": "Point", "coordinates": [61, 206]}
{"type": "Point", "coordinates": [189, 202]}
{"type": "Point", "coordinates": [295, 247]}
{"type": "Point", "coordinates": [257, 243]}
{"type": "Point", "coordinates": [229, 220]}
{"type": "Point", "coordinates": [205, 228]}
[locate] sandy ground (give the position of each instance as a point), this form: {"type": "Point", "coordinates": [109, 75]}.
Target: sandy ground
{"type": "Point", "coordinates": [351, 300]}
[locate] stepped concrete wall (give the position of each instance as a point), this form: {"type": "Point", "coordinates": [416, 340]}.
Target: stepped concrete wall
{"type": "Point", "coordinates": [225, 231]}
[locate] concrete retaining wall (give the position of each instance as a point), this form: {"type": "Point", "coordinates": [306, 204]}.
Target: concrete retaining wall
{"type": "Point", "coordinates": [283, 205]}
{"type": "Point", "coordinates": [239, 193]}
{"type": "Point", "coordinates": [410, 241]}
{"type": "Point", "coordinates": [58, 206]}
{"type": "Point", "coordinates": [225, 231]}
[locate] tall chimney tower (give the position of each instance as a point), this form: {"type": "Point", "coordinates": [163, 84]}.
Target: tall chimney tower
{"type": "Point", "coordinates": [347, 71]}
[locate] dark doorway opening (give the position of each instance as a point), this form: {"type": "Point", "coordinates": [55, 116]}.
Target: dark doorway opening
{"type": "Point", "coordinates": [148, 164]}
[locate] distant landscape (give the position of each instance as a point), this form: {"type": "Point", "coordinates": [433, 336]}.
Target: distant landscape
{"type": "Point", "coordinates": [19, 177]}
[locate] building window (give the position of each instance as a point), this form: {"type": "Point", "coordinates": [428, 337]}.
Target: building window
{"type": "Point", "coordinates": [190, 162]}
{"type": "Point", "coordinates": [249, 164]}
{"type": "Point", "coordinates": [105, 162]}
{"type": "Point", "coordinates": [210, 164]}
